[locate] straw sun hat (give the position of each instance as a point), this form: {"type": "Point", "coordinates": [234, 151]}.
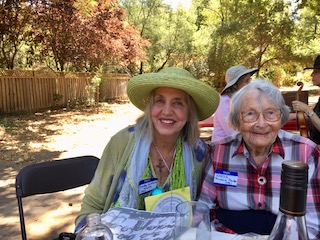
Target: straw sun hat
{"type": "Point", "coordinates": [234, 73]}
{"type": "Point", "coordinates": [140, 87]}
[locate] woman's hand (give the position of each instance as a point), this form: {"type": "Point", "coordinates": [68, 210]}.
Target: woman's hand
{"type": "Point", "coordinates": [300, 107]}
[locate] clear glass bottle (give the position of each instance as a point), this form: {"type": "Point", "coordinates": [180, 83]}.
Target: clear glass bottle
{"type": "Point", "coordinates": [291, 222]}
{"type": "Point", "coordinates": [94, 229]}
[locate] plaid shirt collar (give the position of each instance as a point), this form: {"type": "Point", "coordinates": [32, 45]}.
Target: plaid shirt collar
{"type": "Point", "coordinates": [277, 148]}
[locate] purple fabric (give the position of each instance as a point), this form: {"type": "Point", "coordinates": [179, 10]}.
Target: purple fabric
{"type": "Point", "coordinates": [220, 122]}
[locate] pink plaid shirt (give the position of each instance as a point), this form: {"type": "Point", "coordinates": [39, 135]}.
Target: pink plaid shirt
{"type": "Point", "coordinates": [259, 187]}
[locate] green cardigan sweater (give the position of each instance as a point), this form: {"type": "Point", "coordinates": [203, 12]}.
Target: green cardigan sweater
{"type": "Point", "coordinates": [99, 194]}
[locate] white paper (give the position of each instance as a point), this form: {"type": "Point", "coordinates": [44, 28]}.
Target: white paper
{"type": "Point", "coordinates": [127, 223]}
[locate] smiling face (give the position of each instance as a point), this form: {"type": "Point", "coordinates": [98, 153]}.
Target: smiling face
{"type": "Point", "coordinates": [260, 134]}
{"type": "Point", "coordinates": [169, 112]}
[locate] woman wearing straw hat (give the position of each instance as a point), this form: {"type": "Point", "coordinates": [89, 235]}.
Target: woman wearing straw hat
{"type": "Point", "coordinates": [313, 114]}
{"type": "Point", "coordinates": [162, 151]}
{"type": "Point", "coordinates": [236, 78]}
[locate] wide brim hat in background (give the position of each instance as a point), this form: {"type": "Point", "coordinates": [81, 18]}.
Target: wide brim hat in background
{"type": "Point", "coordinates": [234, 73]}
{"type": "Point", "coordinates": [205, 97]}
{"type": "Point", "coordinates": [316, 64]}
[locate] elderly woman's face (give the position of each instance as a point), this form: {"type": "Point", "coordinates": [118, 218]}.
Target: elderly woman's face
{"type": "Point", "coordinates": [260, 121]}
{"type": "Point", "coordinates": [169, 111]}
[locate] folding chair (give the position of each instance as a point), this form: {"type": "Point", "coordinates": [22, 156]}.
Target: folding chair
{"type": "Point", "coordinates": [53, 176]}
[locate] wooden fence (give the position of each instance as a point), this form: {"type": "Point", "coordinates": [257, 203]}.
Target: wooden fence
{"type": "Point", "coordinates": [113, 86]}
{"type": "Point", "coordinates": [30, 91]}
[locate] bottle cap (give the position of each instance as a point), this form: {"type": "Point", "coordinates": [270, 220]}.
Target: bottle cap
{"type": "Point", "coordinates": [294, 183]}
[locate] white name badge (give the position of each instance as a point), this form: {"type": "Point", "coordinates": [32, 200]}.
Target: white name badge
{"type": "Point", "coordinates": [226, 178]}
{"type": "Point", "coordinates": [147, 185]}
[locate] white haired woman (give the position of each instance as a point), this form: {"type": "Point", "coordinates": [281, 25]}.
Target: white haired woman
{"type": "Point", "coordinates": [254, 157]}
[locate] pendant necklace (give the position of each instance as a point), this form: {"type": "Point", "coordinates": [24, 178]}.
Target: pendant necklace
{"type": "Point", "coordinates": [160, 190]}
{"type": "Point", "coordinates": [164, 161]}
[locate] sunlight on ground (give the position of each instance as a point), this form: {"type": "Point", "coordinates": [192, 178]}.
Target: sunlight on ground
{"type": "Point", "coordinates": [6, 182]}
{"type": "Point", "coordinates": [53, 219]}
{"type": "Point", "coordinates": [48, 215]}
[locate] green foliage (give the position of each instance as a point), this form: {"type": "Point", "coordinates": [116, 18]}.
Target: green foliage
{"type": "Point", "coordinates": [308, 38]}
{"type": "Point", "coordinates": [57, 97]}
{"type": "Point", "coordinates": [15, 30]}
{"type": "Point", "coordinates": [85, 7]}
{"type": "Point", "coordinates": [279, 37]}
{"type": "Point", "coordinates": [95, 82]}
{"type": "Point", "coordinates": [7, 122]}
{"type": "Point", "coordinates": [170, 32]}
{"type": "Point", "coordinates": [277, 76]}
{"type": "Point", "coordinates": [253, 34]}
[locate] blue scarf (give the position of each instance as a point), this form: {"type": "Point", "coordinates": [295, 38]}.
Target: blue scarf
{"type": "Point", "coordinates": [136, 166]}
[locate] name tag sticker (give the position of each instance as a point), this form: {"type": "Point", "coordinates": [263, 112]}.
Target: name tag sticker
{"type": "Point", "coordinates": [147, 185]}
{"type": "Point", "coordinates": [226, 178]}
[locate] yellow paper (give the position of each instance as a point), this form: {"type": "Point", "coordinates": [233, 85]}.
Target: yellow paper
{"type": "Point", "coordinates": [167, 202]}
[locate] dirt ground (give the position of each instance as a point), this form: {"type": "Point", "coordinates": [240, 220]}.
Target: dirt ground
{"type": "Point", "coordinates": [51, 135]}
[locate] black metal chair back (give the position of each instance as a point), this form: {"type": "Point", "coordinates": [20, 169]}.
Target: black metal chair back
{"type": "Point", "coordinates": [53, 176]}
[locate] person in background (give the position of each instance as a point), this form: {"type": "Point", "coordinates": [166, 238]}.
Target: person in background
{"type": "Point", "coordinates": [163, 147]}
{"type": "Point", "coordinates": [236, 78]}
{"type": "Point", "coordinates": [313, 114]}
{"type": "Point", "coordinates": [243, 177]}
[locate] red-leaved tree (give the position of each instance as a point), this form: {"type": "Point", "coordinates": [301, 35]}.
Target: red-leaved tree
{"type": "Point", "coordinates": [15, 19]}
{"type": "Point", "coordinates": [79, 41]}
